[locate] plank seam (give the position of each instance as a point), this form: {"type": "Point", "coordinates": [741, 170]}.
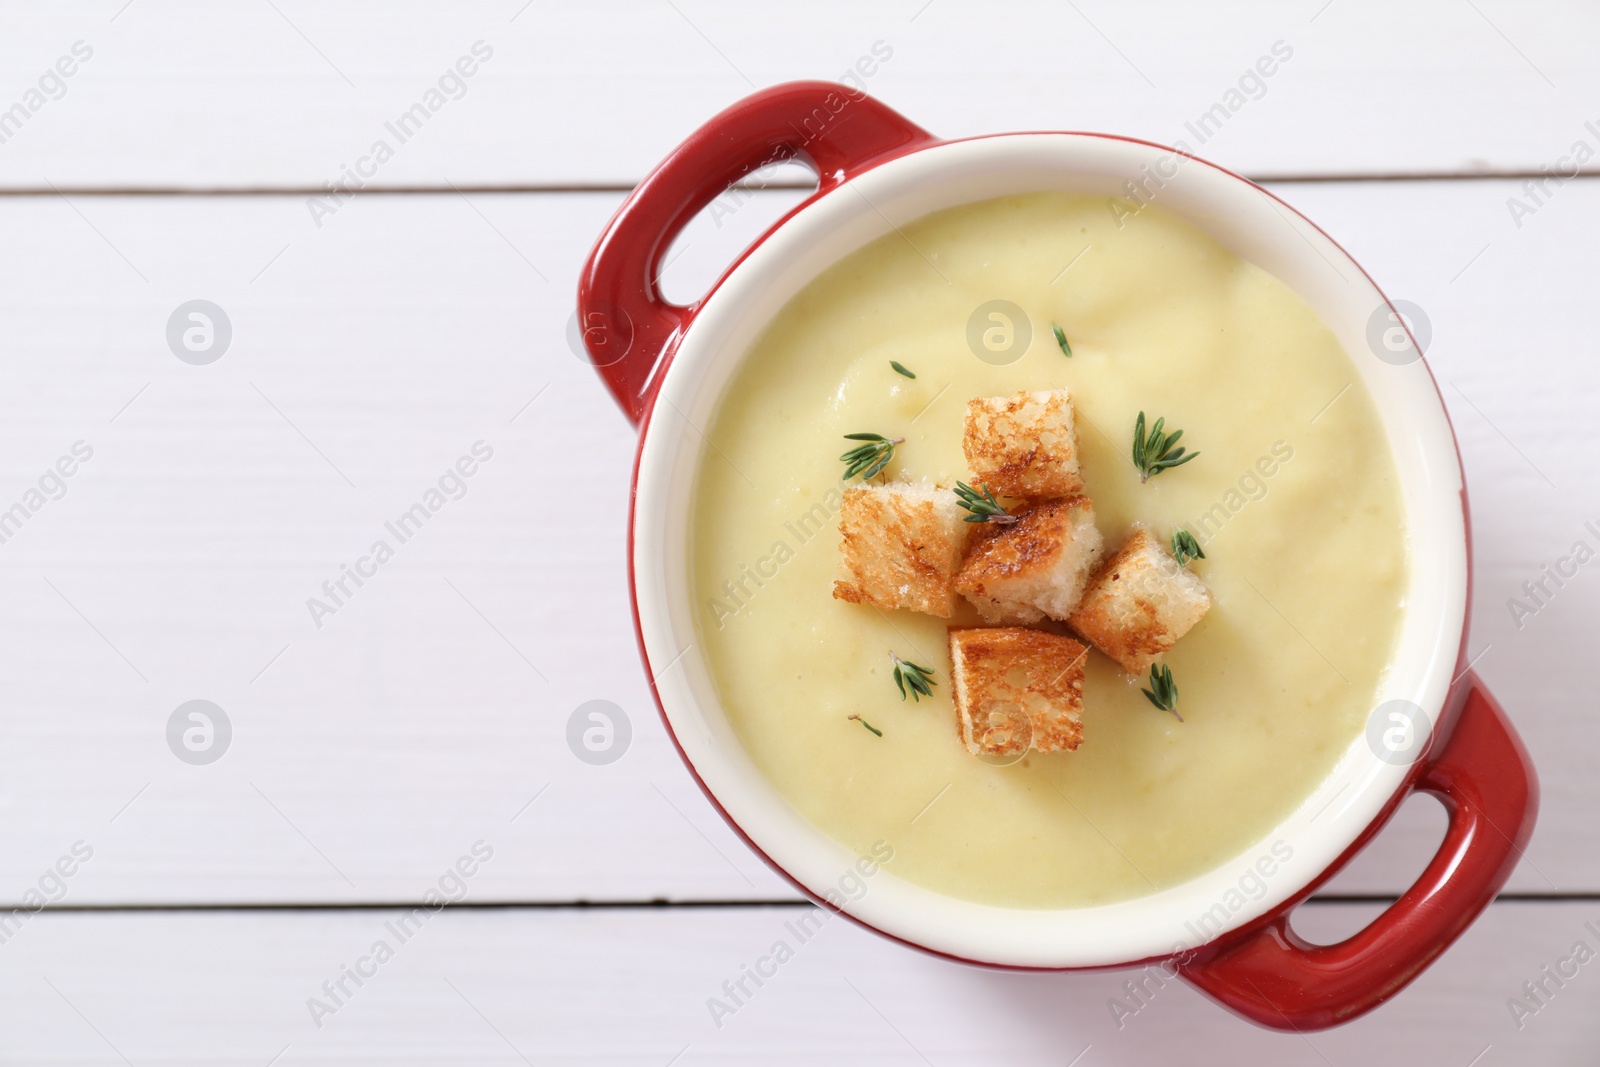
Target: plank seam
{"type": "Point", "coordinates": [662, 905]}
{"type": "Point", "coordinates": [626, 187]}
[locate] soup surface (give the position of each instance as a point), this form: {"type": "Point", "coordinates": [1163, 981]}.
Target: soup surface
{"type": "Point", "coordinates": [1294, 499]}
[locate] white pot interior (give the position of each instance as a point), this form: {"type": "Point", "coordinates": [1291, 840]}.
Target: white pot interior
{"type": "Point", "coordinates": [1259, 229]}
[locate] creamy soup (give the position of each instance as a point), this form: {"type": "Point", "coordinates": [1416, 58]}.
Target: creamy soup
{"type": "Point", "coordinates": [1294, 498]}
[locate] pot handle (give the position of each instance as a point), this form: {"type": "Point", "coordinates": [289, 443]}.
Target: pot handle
{"type": "Point", "coordinates": [626, 325]}
{"type": "Point", "coordinates": [1487, 784]}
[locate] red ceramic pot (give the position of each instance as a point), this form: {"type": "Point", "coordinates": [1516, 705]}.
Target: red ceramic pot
{"type": "Point", "coordinates": [667, 364]}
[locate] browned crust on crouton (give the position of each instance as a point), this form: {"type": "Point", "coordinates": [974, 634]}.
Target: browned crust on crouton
{"type": "Point", "coordinates": [1027, 546]}
{"type": "Point", "coordinates": [895, 555]}
{"type": "Point", "coordinates": [1005, 478]}
{"type": "Point", "coordinates": [1004, 457]}
{"type": "Point", "coordinates": [1116, 618]}
{"type": "Point", "coordinates": [1017, 689]}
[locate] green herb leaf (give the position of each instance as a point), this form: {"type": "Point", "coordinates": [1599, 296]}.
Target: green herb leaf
{"type": "Point", "coordinates": [1163, 691]}
{"type": "Point", "coordinates": [913, 679]}
{"type": "Point", "coordinates": [1185, 547]}
{"type": "Point", "coordinates": [870, 458]}
{"type": "Point", "coordinates": [1154, 453]}
{"type": "Point", "coordinates": [984, 507]}
{"type": "Point", "coordinates": [1061, 339]}
{"type": "Point", "coordinates": [868, 725]}
{"type": "Point", "coordinates": [900, 368]}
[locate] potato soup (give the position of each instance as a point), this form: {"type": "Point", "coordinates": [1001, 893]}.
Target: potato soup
{"type": "Point", "coordinates": [1294, 499]}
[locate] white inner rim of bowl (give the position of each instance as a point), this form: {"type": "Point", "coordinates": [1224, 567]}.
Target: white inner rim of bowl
{"type": "Point", "coordinates": [1254, 226]}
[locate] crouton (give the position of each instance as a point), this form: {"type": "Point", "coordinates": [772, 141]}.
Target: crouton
{"type": "Point", "coordinates": [901, 547]}
{"type": "Point", "coordinates": [1034, 567]}
{"type": "Point", "coordinates": [1025, 445]}
{"type": "Point", "coordinates": [1139, 603]}
{"type": "Point", "coordinates": [1017, 689]}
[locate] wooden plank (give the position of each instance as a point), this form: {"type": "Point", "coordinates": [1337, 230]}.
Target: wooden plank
{"type": "Point", "coordinates": [644, 986]}
{"type": "Point", "coordinates": [186, 94]}
{"type": "Point", "coordinates": [367, 357]}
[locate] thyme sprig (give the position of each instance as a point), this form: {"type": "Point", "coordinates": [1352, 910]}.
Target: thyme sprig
{"type": "Point", "coordinates": [1163, 691]}
{"type": "Point", "coordinates": [983, 505]}
{"type": "Point", "coordinates": [864, 722]}
{"type": "Point", "coordinates": [913, 679]}
{"type": "Point", "coordinates": [1061, 339]}
{"type": "Point", "coordinates": [869, 458]}
{"type": "Point", "coordinates": [1155, 453]}
{"type": "Point", "coordinates": [1185, 547]}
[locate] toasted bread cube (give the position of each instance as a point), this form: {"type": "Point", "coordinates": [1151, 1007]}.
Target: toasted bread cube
{"type": "Point", "coordinates": [1017, 689]}
{"type": "Point", "coordinates": [901, 547]}
{"type": "Point", "coordinates": [1139, 603]}
{"type": "Point", "coordinates": [1024, 445]}
{"type": "Point", "coordinates": [1034, 567]}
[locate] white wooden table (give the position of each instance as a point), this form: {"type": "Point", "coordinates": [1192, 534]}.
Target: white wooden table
{"type": "Point", "coordinates": [376, 338]}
